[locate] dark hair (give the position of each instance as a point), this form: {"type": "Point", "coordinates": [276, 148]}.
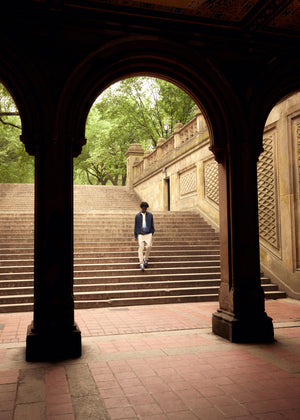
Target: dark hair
{"type": "Point", "coordinates": [144, 204]}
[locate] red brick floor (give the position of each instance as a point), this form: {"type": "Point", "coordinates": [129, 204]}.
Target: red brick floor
{"type": "Point", "coordinates": [152, 363]}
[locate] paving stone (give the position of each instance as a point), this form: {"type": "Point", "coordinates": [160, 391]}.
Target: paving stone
{"type": "Point", "coordinates": [215, 380]}
{"type": "Point", "coordinates": [31, 388]}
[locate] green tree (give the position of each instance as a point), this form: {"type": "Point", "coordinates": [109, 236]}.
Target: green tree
{"type": "Point", "coordinates": [15, 163]}
{"type": "Point", "coordinates": [131, 111]}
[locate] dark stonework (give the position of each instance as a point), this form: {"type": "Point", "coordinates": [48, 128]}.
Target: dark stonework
{"type": "Point", "coordinates": [52, 344]}
{"type": "Point", "coordinates": [53, 333]}
{"type": "Point", "coordinates": [246, 330]}
{"type": "Point", "coordinates": [241, 316]}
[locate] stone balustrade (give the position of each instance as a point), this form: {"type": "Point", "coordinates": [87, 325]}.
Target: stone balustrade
{"type": "Point", "coordinates": [141, 163]}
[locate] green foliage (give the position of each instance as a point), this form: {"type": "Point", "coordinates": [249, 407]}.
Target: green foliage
{"type": "Point", "coordinates": [15, 163]}
{"type": "Point", "coordinates": [131, 111]}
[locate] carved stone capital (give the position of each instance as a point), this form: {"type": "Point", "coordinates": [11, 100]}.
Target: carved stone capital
{"type": "Point", "coordinates": [77, 145]}
{"type": "Point", "coordinates": [29, 143]}
{"type": "Point", "coordinates": [219, 152]}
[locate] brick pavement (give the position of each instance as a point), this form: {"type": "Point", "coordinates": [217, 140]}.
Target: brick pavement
{"type": "Point", "coordinates": [153, 363]}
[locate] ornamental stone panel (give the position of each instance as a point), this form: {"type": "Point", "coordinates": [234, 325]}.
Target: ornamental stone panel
{"type": "Point", "coordinates": [211, 181]}
{"type": "Point", "coordinates": [188, 182]}
{"type": "Point", "coordinates": [268, 192]}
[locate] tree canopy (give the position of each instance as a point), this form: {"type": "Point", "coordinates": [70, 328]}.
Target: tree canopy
{"type": "Point", "coordinates": [15, 163]}
{"type": "Point", "coordinates": [131, 111]}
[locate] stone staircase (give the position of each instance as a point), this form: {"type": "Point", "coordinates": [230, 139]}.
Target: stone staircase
{"type": "Point", "coordinates": [184, 264]}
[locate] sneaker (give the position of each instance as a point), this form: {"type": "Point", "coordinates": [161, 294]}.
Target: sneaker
{"type": "Point", "coordinates": [142, 267]}
{"type": "Point", "coordinates": [145, 263]}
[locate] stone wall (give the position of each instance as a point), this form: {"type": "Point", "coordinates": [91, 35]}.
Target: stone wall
{"type": "Point", "coordinates": [278, 172]}
{"type": "Point", "coordinates": [182, 174]}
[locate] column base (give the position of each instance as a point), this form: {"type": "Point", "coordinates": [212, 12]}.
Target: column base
{"type": "Point", "coordinates": [52, 344]}
{"type": "Point", "coordinates": [249, 330]}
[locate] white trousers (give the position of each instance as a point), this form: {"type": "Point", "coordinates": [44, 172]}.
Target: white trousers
{"type": "Point", "coordinates": [144, 240]}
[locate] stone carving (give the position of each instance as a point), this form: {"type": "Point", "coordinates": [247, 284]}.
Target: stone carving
{"type": "Point", "coordinates": [267, 193]}
{"type": "Point", "coordinates": [188, 132]}
{"type": "Point", "coordinates": [233, 10]}
{"type": "Point", "coordinates": [289, 18]}
{"type": "Point", "coordinates": [220, 9]}
{"type": "Point", "coordinates": [188, 182]}
{"type": "Point", "coordinates": [211, 181]}
{"type": "Point", "coordinates": [168, 147]}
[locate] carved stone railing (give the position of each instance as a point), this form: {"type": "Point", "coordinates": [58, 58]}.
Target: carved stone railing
{"type": "Point", "coordinates": [142, 163]}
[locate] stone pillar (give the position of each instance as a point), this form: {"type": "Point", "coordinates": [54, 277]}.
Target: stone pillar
{"type": "Point", "coordinates": [201, 123]}
{"type": "Point", "coordinates": [177, 139]}
{"type": "Point", "coordinates": [241, 316]}
{"type": "Point", "coordinates": [159, 143]}
{"type": "Point", "coordinates": [134, 154]}
{"type": "Point", "coordinates": [53, 333]}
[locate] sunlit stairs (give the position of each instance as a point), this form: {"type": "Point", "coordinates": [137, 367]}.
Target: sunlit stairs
{"type": "Point", "coordinates": [184, 264]}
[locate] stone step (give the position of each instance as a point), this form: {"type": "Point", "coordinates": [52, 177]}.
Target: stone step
{"type": "Point", "coordinates": [26, 287]}
{"type": "Point", "coordinates": [14, 227]}
{"type": "Point", "coordinates": [27, 272]}
{"type": "Point", "coordinates": [174, 238]}
{"type": "Point", "coordinates": [92, 263]}
{"type": "Point", "coordinates": [154, 271]}
{"type": "Point", "coordinates": [113, 265]}
{"type": "Point", "coordinates": [201, 249]}
{"type": "Point", "coordinates": [24, 303]}
{"type": "Point", "coordinates": [27, 260]}
{"type": "Point", "coordinates": [103, 227]}
{"type": "Point", "coordinates": [131, 245]}
{"type": "Point", "coordinates": [17, 284]}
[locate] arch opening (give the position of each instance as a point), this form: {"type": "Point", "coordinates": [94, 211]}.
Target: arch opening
{"type": "Point", "coordinates": [141, 110]}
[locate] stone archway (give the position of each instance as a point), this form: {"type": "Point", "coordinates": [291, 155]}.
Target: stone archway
{"type": "Point", "coordinates": [241, 316]}
{"type": "Point", "coordinates": [54, 119]}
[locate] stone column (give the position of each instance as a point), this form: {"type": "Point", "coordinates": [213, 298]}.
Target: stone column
{"type": "Point", "coordinates": [241, 316]}
{"type": "Point", "coordinates": [134, 154]}
{"type": "Point", "coordinates": [53, 333]}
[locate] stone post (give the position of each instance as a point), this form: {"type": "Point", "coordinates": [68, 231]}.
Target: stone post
{"type": "Point", "coordinates": [177, 140]}
{"type": "Point", "coordinates": [159, 143]}
{"type": "Point", "coordinates": [53, 333]}
{"type": "Point", "coordinates": [134, 154]}
{"type": "Point", "coordinates": [201, 123]}
{"type": "Point", "coordinates": [241, 316]}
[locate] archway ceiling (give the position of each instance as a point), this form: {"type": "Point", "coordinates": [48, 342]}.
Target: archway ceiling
{"type": "Point", "coordinates": [271, 16]}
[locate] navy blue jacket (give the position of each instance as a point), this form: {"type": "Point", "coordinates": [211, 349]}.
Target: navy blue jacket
{"type": "Point", "coordinates": [138, 224]}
